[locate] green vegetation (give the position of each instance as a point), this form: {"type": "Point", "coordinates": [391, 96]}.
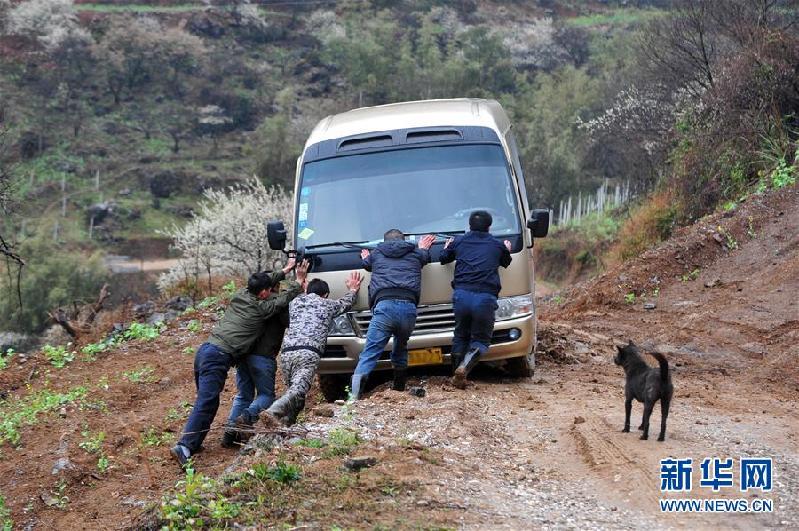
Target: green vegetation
{"type": "Point", "coordinates": [25, 411]}
{"type": "Point", "coordinates": [143, 331]}
{"type": "Point", "coordinates": [197, 504]}
{"type": "Point", "coordinates": [93, 444]}
{"type": "Point", "coordinates": [341, 441]}
{"type": "Point", "coordinates": [729, 240]}
{"type": "Point", "coordinates": [693, 275]}
{"type": "Point", "coordinates": [6, 523]}
{"type": "Point", "coordinates": [142, 375]}
{"type": "Point", "coordinates": [283, 472]}
{"type": "Point", "coordinates": [616, 17]}
{"type": "Point", "coordinates": [140, 8]}
{"type": "Point", "coordinates": [56, 278]}
{"type": "Point", "coordinates": [59, 495]}
{"type": "Point", "coordinates": [152, 437]}
{"type": "Point", "coordinates": [629, 298]}
{"type": "Point", "coordinates": [60, 356]}
{"type": "Point", "coordinates": [311, 443]}
{"type": "Point", "coordinates": [5, 358]}
{"type": "Point", "coordinates": [194, 326]}
{"type": "Point", "coordinates": [179, 413]}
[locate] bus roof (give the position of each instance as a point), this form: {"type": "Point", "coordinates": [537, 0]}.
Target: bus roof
{"type": "Point", "coordinates": [426, 113]}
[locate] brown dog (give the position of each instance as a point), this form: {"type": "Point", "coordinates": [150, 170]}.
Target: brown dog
{"type": "Point", "coordinates": [645, 384]}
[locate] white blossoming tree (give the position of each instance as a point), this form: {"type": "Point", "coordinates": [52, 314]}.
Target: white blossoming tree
{"type": "Point", "coordinates": [51, 22]}
{"type": "Point", "coordinates": [227, 235]}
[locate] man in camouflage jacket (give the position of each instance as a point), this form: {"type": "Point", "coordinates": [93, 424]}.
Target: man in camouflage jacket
{"type": "Point", "coordinates": [310, 317]}
{"type": "Point", "coordinates": [231, 339]}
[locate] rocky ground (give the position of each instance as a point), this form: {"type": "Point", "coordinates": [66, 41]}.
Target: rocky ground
{"type": "Point", "coordinates": [504, 454]}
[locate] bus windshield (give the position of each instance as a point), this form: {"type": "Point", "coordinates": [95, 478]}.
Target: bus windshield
{"type": "Point", "coordinates": [356, 198]}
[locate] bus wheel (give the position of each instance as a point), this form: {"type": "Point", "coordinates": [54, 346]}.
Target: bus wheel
{"type": "Point", "coordinates": [334, 386]}
{"type": "Point", "coordinates": [521, 367]}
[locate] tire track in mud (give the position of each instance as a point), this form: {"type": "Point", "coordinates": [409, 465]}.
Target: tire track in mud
{"type": "Point", "coordinates": [614, 461]}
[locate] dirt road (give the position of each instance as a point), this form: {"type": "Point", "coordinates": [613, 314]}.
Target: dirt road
{"type": "Point", "coordinates": [547, 452]}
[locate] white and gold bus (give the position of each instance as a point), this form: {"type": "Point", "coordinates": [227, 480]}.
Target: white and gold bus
{"type": "Point", "coordinates": [421, 167]}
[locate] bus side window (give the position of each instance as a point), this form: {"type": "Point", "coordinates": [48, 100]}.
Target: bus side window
{"type": "Point", "coordinates": [517, 169]}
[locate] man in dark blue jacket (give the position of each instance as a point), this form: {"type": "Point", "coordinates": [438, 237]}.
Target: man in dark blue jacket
{"type": "Point", "coordinates": [476, 286]}
{"type": "Point", "coordinates": [394, 292]}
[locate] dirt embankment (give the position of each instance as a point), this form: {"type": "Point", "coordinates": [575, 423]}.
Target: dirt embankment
{"type": "Point", "coordinates": [547, 452]}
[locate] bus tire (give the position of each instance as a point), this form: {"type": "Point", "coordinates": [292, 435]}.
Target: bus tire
{"type": "Point", "coordinates": [334, 386]}
{"type": "Point", "coordinates": [521, 367]}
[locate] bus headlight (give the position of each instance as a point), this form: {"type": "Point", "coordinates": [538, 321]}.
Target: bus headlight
{"type": "Point", "coordinates": [513, 307]}
{"type": "Point", "coordinates": [341, 326]}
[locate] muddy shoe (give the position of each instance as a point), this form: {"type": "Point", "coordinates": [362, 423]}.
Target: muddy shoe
{"type": "Point", "coordinates": [230, 436]}
{"type": "Point", "coordinates": [181, 454]}
{"type": "Point", "coordinates": [459, 378]}
{"type": "Point", "coordinates": [244, 426]}
{"type": "Point", "coordinates": [271, 421]}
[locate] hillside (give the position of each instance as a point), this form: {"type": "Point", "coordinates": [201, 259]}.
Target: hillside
{"type": "Point", "coordinates": [505, 454]}
{"type": "Point", "coordinates": [118, 115]}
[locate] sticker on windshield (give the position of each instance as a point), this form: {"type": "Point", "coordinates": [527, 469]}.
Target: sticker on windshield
{"type": "Point", "coordinates": [304, 192]}
{"type": "Point", "coordinates": [303, 214]}
{"type": "Point", "coordinates": [305, 233]}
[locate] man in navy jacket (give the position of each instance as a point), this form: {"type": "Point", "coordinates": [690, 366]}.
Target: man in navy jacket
{"type": "Point", "coordinates": [394, 291]}
{"type": "Point", "coordinates": [478, 256]}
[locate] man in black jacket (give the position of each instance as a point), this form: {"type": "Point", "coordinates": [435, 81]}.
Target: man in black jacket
{"type": "Point", "coordinates": [476, 288]}
{"type": "Point", "coordinates": [394, 292]}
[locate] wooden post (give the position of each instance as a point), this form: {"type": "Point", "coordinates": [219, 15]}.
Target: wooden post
{"type": "Point", "coordinates": [97, 180]}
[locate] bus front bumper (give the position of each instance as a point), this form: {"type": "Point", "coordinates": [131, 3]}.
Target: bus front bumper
{"type": "Point", "coordinates": [512, 338]}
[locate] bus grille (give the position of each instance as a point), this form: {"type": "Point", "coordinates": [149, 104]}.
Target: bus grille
{"type": "Point", "coordinates": [429, 320]}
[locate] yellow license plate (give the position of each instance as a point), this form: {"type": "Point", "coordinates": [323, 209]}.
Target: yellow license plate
{"type": "Point", "coordinates": [425, 356]}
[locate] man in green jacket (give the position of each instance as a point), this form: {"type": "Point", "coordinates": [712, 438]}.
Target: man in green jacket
{"type": "Point", "coordinates": [255, 381]}
{"type": "Point", "coordinates": [231, 339]}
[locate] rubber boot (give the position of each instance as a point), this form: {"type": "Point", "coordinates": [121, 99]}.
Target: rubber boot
{"type": "Point", "coordinates": [357, 386]}
{"type": "Point", "coordinates": [400, 379]}
{"type": "Point", "coordinates": [471, 359]}
{"type": "Point", "coordinates": [456, 358]}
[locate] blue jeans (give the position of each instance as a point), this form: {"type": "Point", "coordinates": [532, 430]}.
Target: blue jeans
{"type": "Point", "coordinates": [211, 366]}
{"type": "Point", "coordinates": [254, 374]}
{"type": "Point", "coordinates": [390, 317]}
{"type": "Point", "coordinates": [474, 320]}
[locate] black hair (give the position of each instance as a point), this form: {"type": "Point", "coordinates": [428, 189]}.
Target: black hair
{"type": "Point", "coordinates": [259, 282]}
{"type": "Point", "coordinates": [318, 286]}
{"type": "Point", "coordinates": [393, 234]}
{"type": "Point", "coordinates": [480, 221]}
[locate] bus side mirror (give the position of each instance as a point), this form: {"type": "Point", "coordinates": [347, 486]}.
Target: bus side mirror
{"type": "Point", "coordinates": [539, 222]}
{"type": "Point", "coordinates": [276, 235]}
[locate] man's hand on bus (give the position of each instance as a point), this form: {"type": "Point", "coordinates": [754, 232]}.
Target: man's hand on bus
{"type": "Point", "coordinates": [508, 245]}
{"type": "Point", "coordinates": [302, 272]}
{"type": "Point", "coordinates": [448, 242]}
{"type": "Point", "coordinates": [426, 241]}
{"type": "Point", "coordinates": [364, 254]}
{"type": "Point", "coordinates": [354, 281]}
{"type": "Point", "coordinates": [289, 265]}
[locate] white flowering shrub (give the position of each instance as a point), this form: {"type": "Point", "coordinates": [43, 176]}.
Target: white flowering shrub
{"type": "Point", "coordinates": [51, 22]}
{"type": "Point", "coordinates": [534, 45]}
{"type": "Point", "coordinates": [227, 235]}
{"type": "Point", "coordinates": [325, 26]}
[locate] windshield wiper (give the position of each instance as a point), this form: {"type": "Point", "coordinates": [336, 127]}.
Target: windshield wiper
{"type": "Point", "coordinates": [442, 234]}
{"type": "Point", "coordinates": [351, 245]}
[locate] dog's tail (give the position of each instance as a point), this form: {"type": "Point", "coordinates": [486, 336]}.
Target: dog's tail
{"type": "Point", "coordinates": [664, 365]}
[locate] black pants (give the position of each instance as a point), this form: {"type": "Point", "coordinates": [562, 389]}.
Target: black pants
{"type": "Point", "coordinates": [211, 366]}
